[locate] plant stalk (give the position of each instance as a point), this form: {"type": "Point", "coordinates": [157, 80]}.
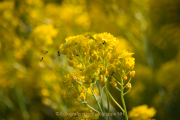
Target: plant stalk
{"type": "Point", "coordinates": [122, 99]}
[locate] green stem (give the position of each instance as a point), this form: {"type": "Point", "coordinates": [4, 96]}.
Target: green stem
{"type": "Point", "coordinates": [93, 108]}
{"type": "Point", "coordinates": [108, 103]}
{"type": "Point", "coordinates": [122, 98]}
{"type": "Point", "coordinates": [118, 89]}
{"type": "Point", "coordinates": [113, 99]}
{"type": "Point", "coordinates": [101, 94]}
{"type": "Point", "coordinates": [96, 99]}
{"type": "Point", "coordinates": [107, 96]}
{"type": "Point", "coordinates": [127, 92]}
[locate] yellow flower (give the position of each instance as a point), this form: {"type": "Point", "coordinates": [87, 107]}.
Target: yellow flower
{"type": "Point", "coordinates": [124, 77]}
{"type": "Point", "coordinates": [132, 73]}
{"type": "Point", "coordinates": [96, 57]}
{"type": "Point", "coordinates": [129, 63]}
{"type": "Point", "coordinates": [128, 85]}
{"type": "Point", "coordinates": [142, 112]}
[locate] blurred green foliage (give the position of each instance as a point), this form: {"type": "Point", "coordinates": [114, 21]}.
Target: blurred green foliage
{"type": "Point", "coordinates": [30, 89]}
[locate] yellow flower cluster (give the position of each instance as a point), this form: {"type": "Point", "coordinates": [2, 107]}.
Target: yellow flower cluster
{"type": "Point", "coordinates": [88, 52]}
{"type": "Point", "coordinates": [96, 57]}
{"type": "Point", "coordinates": [142, 112]}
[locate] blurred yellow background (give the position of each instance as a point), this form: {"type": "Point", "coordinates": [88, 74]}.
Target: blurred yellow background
{"type": "Point", "coordinates": [30, 87]}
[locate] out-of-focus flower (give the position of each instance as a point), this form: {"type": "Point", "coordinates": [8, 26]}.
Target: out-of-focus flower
{"type": "Point", "coordinates": [142, 112]}
{"type": "Point", "coordinates": [44, 33]}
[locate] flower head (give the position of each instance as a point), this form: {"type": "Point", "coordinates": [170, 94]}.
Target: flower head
{"type": "Point", "coordinates": [98, 57]}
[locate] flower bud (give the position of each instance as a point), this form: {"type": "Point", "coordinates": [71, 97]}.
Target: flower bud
{"type": "Point", "coordinates": [132, 73]}
{"type": "Point", "coordinates": [128, 85]}
{"type": "Point", "coordinates": [82, 96]}
{"type": "Point", "coordinates": [124, 77]}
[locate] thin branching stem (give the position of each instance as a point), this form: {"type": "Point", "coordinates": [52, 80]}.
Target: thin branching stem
{"type": "Point", "coordinates": [114, 99]}
{"type": "Point", "coordinates": [122, 99]}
